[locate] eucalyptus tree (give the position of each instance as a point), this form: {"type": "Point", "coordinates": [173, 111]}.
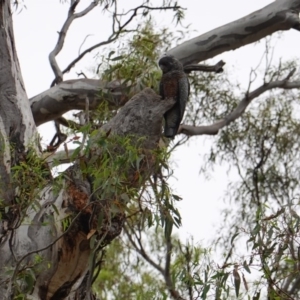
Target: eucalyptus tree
{"type": "Point", "coordinates": [54, 231]}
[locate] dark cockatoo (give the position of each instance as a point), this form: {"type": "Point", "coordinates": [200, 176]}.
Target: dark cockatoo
{"type": "Point", "coordinates": [174, 84]}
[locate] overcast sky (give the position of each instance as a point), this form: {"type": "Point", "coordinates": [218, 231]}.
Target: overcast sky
{"type": "Point", "coordinates": [36, 30]}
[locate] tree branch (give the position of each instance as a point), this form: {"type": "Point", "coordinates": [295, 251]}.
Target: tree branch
{"type": "Point", "coordinates": [279, 15]}
{"type": "Point", "coordinates": [218, 67]}
{"type": "Point", "coordinates": [165, 272]}
{"type": "Point", "coordinates": [71, 94]}
{"type": "Point", "coordinates": [55, 159]}
{"type": "Point", "coordinates": [135, 10]}
{"type": "Point", "coordinates": [140, 249]}
{"type": "Point", "coordinates": [240, 109]}
{"type": "Point", "coordinates": [114, 35]}
{"type": "Point", "coordinates": [87, 10]}
{"type": "Point", "coordinates": [111, 39]}
{"type": "Point", "coordinates": [167, 276]}
{"type": "Point", "coordinates": [62, 35]}
{"type": "Point", "coordinates": [68, 123]}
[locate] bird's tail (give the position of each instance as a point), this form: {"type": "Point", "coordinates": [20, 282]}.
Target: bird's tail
{"type": "Point", "coordinates": [170, 132]}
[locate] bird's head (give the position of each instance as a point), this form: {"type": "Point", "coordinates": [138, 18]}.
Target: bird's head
{"type": "Point", "coordinates": [170, 63]}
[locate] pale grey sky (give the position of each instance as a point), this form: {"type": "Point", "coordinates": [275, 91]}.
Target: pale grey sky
{"type": "Point", "coordinates": [36, 34]}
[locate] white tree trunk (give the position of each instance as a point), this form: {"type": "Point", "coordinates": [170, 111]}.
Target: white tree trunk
{"type": "Point", "coordinates": [17, 128]}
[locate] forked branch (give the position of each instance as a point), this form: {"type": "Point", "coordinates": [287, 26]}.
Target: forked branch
{"type": "Point", "coordinates": [117, 29]}
{"type": "Point", "coordinates": [62, 35]}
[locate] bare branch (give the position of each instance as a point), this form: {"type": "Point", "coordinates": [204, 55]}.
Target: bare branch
{"type": "Point", "coordinates": [79, 57]}
{"type": "Point", "coordinates": [87, 10]}
{"type": "Point", "coordinates": [81, 74]}
{"type": "Point", "coordinates": [115, 31]}
{"type": "Point", "coordinates": [62, 35]}
{"type": "Point", "coordinates": [71, 94]}
{"type": "Point", "coordinates": [83, 43]}
{"type": "Point", "coordinates": [68, 123]}
{"type": "Point", "coordinates": [218, 67]}
{"type": "Point", "coordinates": [165, 272]}
{"type": "Point", "coordinates": [139, 249]}
{"type": "Point", "coordinates": [54, 159]}
{"type": "Point", "coordinates": [240, 109]}
{"type": "Point", "coordinates": [58, 138]}
{"type": "Point", "coordinates": [279, 15]}
{"type": "Point", "coordinates": [167, 275]}
{"type": "Point", "coordinates": [135, 10]}
{"type": "Point", "coordinates": [73, 5]}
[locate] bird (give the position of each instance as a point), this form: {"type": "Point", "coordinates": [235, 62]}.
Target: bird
{"type": "Point", "coordinates": [174, 84]}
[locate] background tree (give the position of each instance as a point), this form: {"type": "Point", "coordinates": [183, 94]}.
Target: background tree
{"type": "Point", "coordinates": [54, 230]}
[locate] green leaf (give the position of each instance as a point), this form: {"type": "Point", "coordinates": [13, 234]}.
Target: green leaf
{"type": "Point", "coordinates": [93, 241]}
{"type": "Point", "coordinates": [234, 236]}
{"type": "Point", "coordinates": [256, 296]}
{"type": "Point", "coordinates": [176, 197]}
{"type": "Point", "coordinates": [246, 267]}
{"type": "Point", "coordinates": [168, 228]}
{"type": "Point", "coordinates": [117, 58]}
{"type": "Point", "coordinates": [205, 291]}
{"type": "Point", "coordinates": [111, 53]}
{"type": "Point", "coordinates": [237, 282]}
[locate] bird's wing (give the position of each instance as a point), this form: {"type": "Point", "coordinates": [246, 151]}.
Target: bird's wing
{"type": "Point", "coordinates": [183, 93]}
{"type": "Point", "coordinates": [161, 89]}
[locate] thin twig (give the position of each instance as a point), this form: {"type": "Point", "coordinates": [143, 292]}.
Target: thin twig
{"type": "Point", "coordinates": [62, 35]}
{"type": "Point", "coordinates": [113, 37]}
{"type": "Point", "coordinates": [83, 43]}
{"type": "Point", "coordinates": [167, 275]}
{"type": "Point", "coordinates": [142, 252]}
{"type": "Point", "coordinates": [68, 123]}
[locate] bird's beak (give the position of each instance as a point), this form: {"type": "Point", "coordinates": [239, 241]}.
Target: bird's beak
{"type": "Point", "coordinates": [163, 68]}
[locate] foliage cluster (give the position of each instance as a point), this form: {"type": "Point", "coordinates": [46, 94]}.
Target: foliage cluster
{"type": "Point", "coordinates": [261, 149]}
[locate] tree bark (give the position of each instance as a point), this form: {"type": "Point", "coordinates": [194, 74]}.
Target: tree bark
{"type": "Point", "coordinates": [17, 127]}
{"type": "Point", "coordinates": [39, 230]}
{"type": "Point", "coordinates": [72, 94]}
{"type": "Point", "coordinates": [277, 16]}
{"type": "Point", "coordinates": [69, 250]}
